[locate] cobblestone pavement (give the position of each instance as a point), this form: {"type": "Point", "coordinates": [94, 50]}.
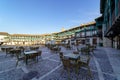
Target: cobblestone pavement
{"type": "Point", "coordinates": [104, 64]}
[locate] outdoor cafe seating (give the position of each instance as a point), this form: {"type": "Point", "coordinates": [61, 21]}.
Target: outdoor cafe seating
{"type": "Point", "coordinates": [14, 51]}
{"type": "Point", "coordinates": [34, 48]}
{"type": "Point", "coordinates": [86, 50]}
{"type": "Point", "coordinates": [55, 49]}
{"type": "Point", "coordinates": [84, 62]}
{"type": "Point", "coordinates": [61, 55]}
{"type": "Point", "coordinates": [6, 50]}
{"type": "Point", "coordinates": [33, 54]}
{"type": "Point", "coordinates": [68, 66]}
{"type": "Point", "coordinates": [75, 61]}
{"type": "Point", "coordinates": [68, 46]}
{"type": "Point", "coordinates": [19, 57]}
{"type": "Point", "coordinates": [24, 54]}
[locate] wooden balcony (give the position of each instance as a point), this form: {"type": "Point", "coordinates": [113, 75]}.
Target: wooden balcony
{"type": "Point", "coordinates": [114, 30]}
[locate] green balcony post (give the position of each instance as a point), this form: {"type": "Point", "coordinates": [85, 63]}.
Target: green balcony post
{"type": "Point", "coordinates": [116, 7]}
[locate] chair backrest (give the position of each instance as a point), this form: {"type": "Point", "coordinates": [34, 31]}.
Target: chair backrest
{"type": "Point", "coordinates": [78, 50]}
{"type": "Point", "coordinates": [59, 49]}
{"type": "Point", "coordinates": [75, 52]}
{"type": "Point", "coordinates": [37, 48]}
{"type": "Point", "coordinates": [39, 53]}
{"type": "Point", "coordinates": [85, 50]}
{"type": "Point", "coordinates": [8, 50]}
{"type": "Point", "coordinates": [82, 50]}
{"type": "Point", "coordinates": [66, 63]}
{"type": "Point", "coordinates": [88, 60]}
{"type": "Point", "coordinates": [22, 48]}
{"type": "Point", "coordinates": [18, 54]}
{"type": "Point", "coordinates": [61, 55]}
{"type": "Point", "coordinates": [85, 60]}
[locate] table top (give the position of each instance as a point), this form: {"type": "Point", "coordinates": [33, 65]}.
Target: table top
{"type": "Point", "coordinates": [6, 47]}
{"type": "Point", "coordinates": [30, 52]}
{"type": "Point", "coordinates": [15, 50]}
{"type": "Point", "coordinates": [71, 55]}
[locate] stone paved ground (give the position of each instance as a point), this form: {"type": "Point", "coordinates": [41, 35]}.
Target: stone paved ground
{"type": "Point", "coordinates": [104, 64]}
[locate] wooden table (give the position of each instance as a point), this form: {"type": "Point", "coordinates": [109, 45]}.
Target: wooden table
{"type": "Point", "coordinates": [31, 55]}
{"type": "Point", "coordinates": [13, 51]}
{"type": "Point", "coordinates": [72, 56]}
{"type": "Point", "coordinates": [6, 49]}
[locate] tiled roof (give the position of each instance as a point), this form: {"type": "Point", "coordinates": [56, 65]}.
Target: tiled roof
{"type": "Point", "coordinates": [4, 33]}
{"type": "Point", "coordinates": [29, 34]}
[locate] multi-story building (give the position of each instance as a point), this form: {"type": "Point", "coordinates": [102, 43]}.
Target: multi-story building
{"type": "Point", "coordinates": [4, 37]}
{"type": "Point", "coordinates": [110, 10]}
{"type": "Point", "coordinates": [99, 22]}
{"type": "Point", "coordinates": [23, 39]}
{"type": "Point", "coordinates": [66, 36]}
{"type": "Point", "coordinates": [87, 34]}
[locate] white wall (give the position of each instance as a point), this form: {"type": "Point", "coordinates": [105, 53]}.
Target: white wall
{"type": "Point", "coordinates": [2, 38]}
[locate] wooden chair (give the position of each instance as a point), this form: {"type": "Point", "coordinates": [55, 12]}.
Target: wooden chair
{"type": "Point", "coordinates": [8, 51]}
{"type": "Point", "coordinates": [3, 49]}
{"type": "Point", "coordinates": [68, 46]}
{"type": "Point", "coordinates": [85, 50]}
{"type": "Point", "coordinates": [59, 49]}
{"type": "Point", "coordinates": [22, 49]}
{"type": "Point", "coordinates": [61, 55]}
{"type": "Point", "coordinates": [19, 57]}
{"type": "Point", "coordinates": [39, 54]}
{"type": "Point", "coordinates": [37, 48]}
{"type": "Point", "coordinates": [66, 66]}
{"type": "Point", "coordinates": [66, 63]}
{"type": "Point", "coordinates": [78, 50]}
{"type": "Point", "coordinates": [91, 49]}
{"type": "Point", "coordinates": [84, 62]}
{"type": "Point", "coordinates": [35, 56]}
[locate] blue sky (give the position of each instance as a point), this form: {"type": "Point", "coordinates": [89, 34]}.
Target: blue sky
{"type": "Point", "coordinates": [45, 16]}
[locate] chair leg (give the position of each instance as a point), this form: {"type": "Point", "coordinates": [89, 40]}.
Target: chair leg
{"type": "Point", "coordinates": [89, 72]}
{"type": "Point", "coordinates": [68, 70]}
{"type": "Point", "coordinates": [62, 72]}
{"type": "Point", "coordinates": [16, 63]}
{"type": "Point", "coordinates": [6, 55]}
